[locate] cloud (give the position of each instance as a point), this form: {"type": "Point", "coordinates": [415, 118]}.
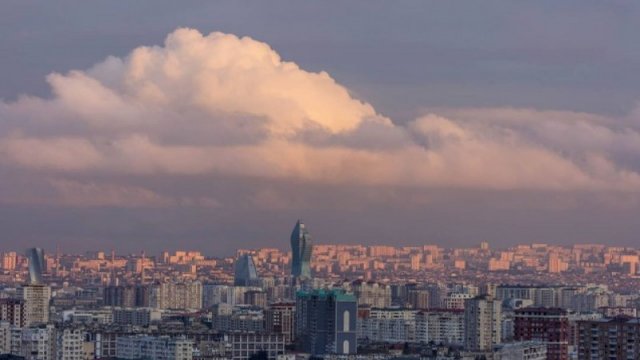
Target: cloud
{"type": "Point", "coordinates": [219, 105]}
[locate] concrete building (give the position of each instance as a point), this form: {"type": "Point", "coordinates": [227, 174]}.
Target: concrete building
{"type": "Point", "coordinates": [153, 347]}
{"type": "Point", "coordinates": [391, 325]}
{"type": "Point", "coordinates": [372, 294]}
{"type": "Point", "coordinates": [36, 299]}
{"type": "Point", "coordinates": [482, 317]}
{"type": "Point", "coordinates": [528, 350]}
{"type": "Point", "coordinates": [244, 345]}
{"type": "Point", "coordinates": [176, 295]}
{"type": "Point", "coordinates": [441, 326]}
{"type": "Point", "coordinates": [38, 343]}
{"type": "Point", "coordinates": [612, 338]}
{"type": "Point", "coordinates": [71, 344]}
{"type": "Point", "coordinates": [548, 326]}
{"type": "Point", "coordinates": [136, 316]}
{"type": "Point", "coordinates": [280, 319]}
{"type": "Point", "coordinates": [13, 311]}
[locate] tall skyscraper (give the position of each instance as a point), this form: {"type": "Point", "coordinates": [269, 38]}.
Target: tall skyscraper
{"type": "Point", "coordinates": [245, 271]}
{"type": "Point", "coordinates": [36, 265]}
{"type": "Point", "coordinates": [301, 248]}
{"type": "Point", "coordinates": [326, 322]}
{"type": "Point", "coordinates": [482, 319]}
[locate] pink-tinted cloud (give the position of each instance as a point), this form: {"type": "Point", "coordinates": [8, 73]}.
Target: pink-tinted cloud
{"type": "Point", "coordinates": [219, 105]}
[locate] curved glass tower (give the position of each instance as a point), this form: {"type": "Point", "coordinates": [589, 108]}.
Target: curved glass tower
{"type": "Point", "coordinates": [301, 248]}
{"type": "Point", "coordinates": [245, 271]}
{"type": "Point", "coordinates": [36, 265]}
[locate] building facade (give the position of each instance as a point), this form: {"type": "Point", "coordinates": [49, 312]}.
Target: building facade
{"type": "Point", "coordinates": [326, 322]}
{"type": "Point", "coordinates": [482, 319]}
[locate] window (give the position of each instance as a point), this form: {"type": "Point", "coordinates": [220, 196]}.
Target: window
{"type": "Point", "coordinates": [345, 320]}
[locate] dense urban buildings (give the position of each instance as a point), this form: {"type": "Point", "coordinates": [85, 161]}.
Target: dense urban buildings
{"type": "Point", "coordinates": [382, 301]}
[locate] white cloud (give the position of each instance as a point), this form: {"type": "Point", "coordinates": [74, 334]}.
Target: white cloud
{"type": "Point", "coordinates": [223, 105]}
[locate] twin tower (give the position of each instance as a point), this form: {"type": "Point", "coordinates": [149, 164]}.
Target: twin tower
{"type": "Point", "coordinates": [246, 273]}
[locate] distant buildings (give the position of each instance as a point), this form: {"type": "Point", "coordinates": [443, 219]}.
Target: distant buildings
{"type": "Point", "coordinates": [176, 295]}
{"type": "Point", "coordinates": [301, 249]}
{"type": "Point", "coordinates": [326, 322]}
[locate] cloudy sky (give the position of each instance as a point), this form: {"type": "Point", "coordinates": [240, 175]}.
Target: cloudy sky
{"type": "Point", "coordinates": [215, 125]}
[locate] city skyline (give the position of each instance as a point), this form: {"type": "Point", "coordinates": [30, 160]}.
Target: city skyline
{"type": "Point", "coordinates": [213, 127]}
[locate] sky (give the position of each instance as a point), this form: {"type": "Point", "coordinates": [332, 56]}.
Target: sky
{"type": "Point", "coordinates": [214, 126]}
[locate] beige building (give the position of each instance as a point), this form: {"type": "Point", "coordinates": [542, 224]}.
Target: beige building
{"type": "Point", "coordinates": [36, 303]}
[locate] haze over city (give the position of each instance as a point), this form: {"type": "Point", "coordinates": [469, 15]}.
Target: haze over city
{"type": "Point", "coordinates": [213, 126]}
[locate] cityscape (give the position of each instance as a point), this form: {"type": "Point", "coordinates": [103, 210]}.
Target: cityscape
{"type": "Point", "coordinates": [534, 301]}
{"type": "Point", "coordinates": [310, 180]}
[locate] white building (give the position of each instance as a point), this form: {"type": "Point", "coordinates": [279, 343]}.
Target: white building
{"type": "Point", "coordinates": [456, 300]}
{"type": "Point", "coordinates": [521, 351]}
{"type": "Point", "coordinates": [38, 343]}
{"type": "Point", "coordinates": [71, 344]}
{"type": "Point", "coordinates": [393, 325]}
{"type": "Point", "coordinates": [243, 345]}
{"type": "Point", "coordinates": [440, 326]}
{"type": "Point", "coordinates": [153, 347]}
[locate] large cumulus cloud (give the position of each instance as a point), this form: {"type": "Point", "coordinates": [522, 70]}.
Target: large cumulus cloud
{"type": "Point", "coordinates": [219, 105]}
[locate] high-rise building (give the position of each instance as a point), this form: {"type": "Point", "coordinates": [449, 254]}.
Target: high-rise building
{"type": "Point", "coordinates": [441, 326]}
{"type": "Point", "coordinates": [13, 311]}
{"type": "Point", "coordinates": [176, 295]}
{"type": "Point", "coordinates": [280, 319]}
{"type": "Point", "coordinates": [36, 265]}
{"type": "Point", "coordinates": [392, 325]}
{"type": "Point", "coordinates": [36, 299]}
{"type": "Point", "coordinates": [372, 293]}
{"type": "Point", "coordinates": [245, 271]}
{"type": "Point", "coordinates": [482, 319]}
{"type": "Point", "coordinates": [38, 343]}
{"type": "Point", "coordinates": [549, 326]}
{"type": "Point", "coordinates": [326, 322]}
{"type": "Point", "coordinates": [301, 248]}
{"type": "Point", "coordinates": [119, 295]}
